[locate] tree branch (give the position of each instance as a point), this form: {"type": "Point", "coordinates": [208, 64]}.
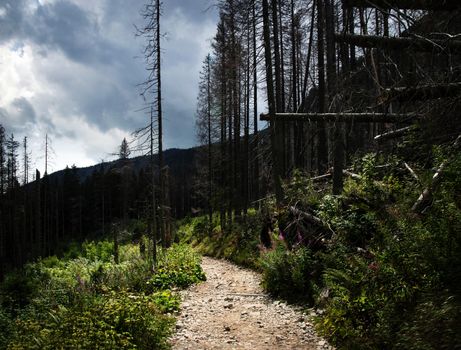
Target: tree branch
{"type": "Point", "coordinates": [342, 117]}
{"type": "Point", "coordinates": [415, 43]}
{"type": "Point", "coordinates": [431, 5]}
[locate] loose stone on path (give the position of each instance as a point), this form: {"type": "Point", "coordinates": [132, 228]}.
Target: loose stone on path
{"type": "Point", "coordinates": [231, 311]}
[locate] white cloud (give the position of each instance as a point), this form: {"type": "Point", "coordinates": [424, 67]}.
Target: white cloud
{"type": "Point", "coordinates": [74, 77]}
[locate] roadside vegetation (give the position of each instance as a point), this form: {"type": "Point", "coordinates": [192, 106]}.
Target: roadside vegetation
{"type": "Point", "coordinates": [382, 276]}
{"type": "Point", "coordinates": [85, 300]}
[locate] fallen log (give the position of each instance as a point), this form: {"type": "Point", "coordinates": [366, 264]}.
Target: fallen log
{"type": "Point", "coordinates": [309, 217]}
{"type": "Point", "coordinates": [352, 175]}
{"type": "Point", "coordinates": [425, 198]}
{"type": "Point", "coordinates": [430, 5]}
{"type": "Point", "coordinates": [421, 93]}
{"type": "Point", "coordinates": [413, 174]}
{"type": "Point", "coordinates": [402, 43]}
{"type": "Point", "coordinates": [393, 134]}
{"type": "Point", "coordinates": [321, 177]}
{"type": "Point", "coordinates": [328, 176]}
{"type": "Point", "coordinates": [342, 117]}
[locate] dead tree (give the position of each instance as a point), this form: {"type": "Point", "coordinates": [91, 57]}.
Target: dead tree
{"type": "Point", "coordinates": [425, 199]}
{"type": "Point", "coordinates": [421, 93]}
{"type": "Point", "coordinates": [344, 117]}
{"type": "Point", "coordinates": [400, 43]}
{"type": "Point", "coordinates": [152, 93]}
{"type": "Point", "coordinates": [322, 151]}
{"type": "Point", "coordinates": [276, 165]}
{"type": "Point", "coordinates": [389, 135]}
{"type": "Point", "coordinates": [430, 5]}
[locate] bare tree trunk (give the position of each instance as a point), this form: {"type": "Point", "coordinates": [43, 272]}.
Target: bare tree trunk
{"type": "Point", "coordinates": [276, 171]}
{"type": "Point", "coordinates": [431, 5]}
{"type": "Point", "coordinates": [210, 169]}
{"type": "Point", "coordinates": [343, 117]}
{"type": "Point", "coordinates": [255, 108]}
{"type": "Point", "coordinates": [38, 211]}
{"type": "Point", "coordinates": [246, 124]}
{"type": "Point", "coordinates": [154, 231]}
{"type": "Point", "coordinates": [421, 93]}
{"type": "Point", "coordinates": [280, 135]}
{"type": "Point", "coordinates": [161, 223]}
{"type": "Point", "coordinates": [322, 151]}
{"type": "Point", "coordinates": [425, 199]}
{"type": "Point", "coordinates": [338, 138]}
{"type": "Point", "coordinates": [401, 43]}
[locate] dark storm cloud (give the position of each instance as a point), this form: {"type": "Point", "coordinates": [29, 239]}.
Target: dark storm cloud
{"type": "Point", "coordinates": [18, 115]}
{"type": "Point", "coordinates": [103, 97]}
{"type": "Point", "coordinates": [24, 110]}
{"type": "Point", "coordinates": [180, 130]}
{"type": "Point", "coordinates": [99, 84]}
{"type": "Point", "coordinates": [65, 26]}
{"type": "Point", "coordinates": [62, 25]}
{"type": "Point", "coordinates": [11, 22]}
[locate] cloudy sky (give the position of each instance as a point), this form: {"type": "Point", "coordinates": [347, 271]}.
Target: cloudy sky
{"type": "Point", "coordinates": [70, 68]}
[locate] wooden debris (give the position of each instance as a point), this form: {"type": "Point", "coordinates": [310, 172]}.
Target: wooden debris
{"type": "Point", "coordinates": [393, 134]}
{"type": "Point", "coordinates": [343, 117]}
{"type": "Point", "coordinates": [421, 93]}
{"type": "Point", "coordinates": [413, 174]}
{"type": "Point", "coordinates": [352, 175]}
{"type": "Point", "coordinates": [425, 198]}
{"type": "Point", "coordinates": [309, 217]}
{"type": "Point", "coordinates": [401, 43]}
{"type": "Point", "coordinates": [430, 5]}
{"type": "Point", "coordinates": [321, 178]}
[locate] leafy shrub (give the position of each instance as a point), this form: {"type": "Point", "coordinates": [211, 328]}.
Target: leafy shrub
{"type": "Point", "coordinates": [290, 274]}
{"type": "Point", "coordinates": [434, 323]}
{"type": "Point", "coordinates": [179, 267]}
{"type": "Point", "coordinates": [90, 302]}
{"type": "Point", "coordinates": [17, 290]}
{"type": "Point", "coordinates": [102, 250]}
{"type": "Point", "coordinates": [7, 328]}
{"type": "Point", "coordinates": [166, 301]}
{"type": "Point", "coordinates": [117, 321]}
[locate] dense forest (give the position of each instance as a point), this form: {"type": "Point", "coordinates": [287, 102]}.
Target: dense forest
{"type": "Point", "coordinates": [347, 201]}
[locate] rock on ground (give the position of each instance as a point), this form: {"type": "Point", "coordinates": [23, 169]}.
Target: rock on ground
{"type": "Point", "coordinates": [231, 311]}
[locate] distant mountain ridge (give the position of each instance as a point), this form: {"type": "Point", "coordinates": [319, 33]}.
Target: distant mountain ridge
{"type": "Point", "coordinates": [175, 158]}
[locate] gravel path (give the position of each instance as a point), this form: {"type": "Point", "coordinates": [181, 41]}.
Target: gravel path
{"type": "Point", "coordinates": [230, 311]}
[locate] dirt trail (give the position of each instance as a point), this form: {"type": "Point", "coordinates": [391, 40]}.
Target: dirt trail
{"type": "Point", "coordinates": [230, 311]}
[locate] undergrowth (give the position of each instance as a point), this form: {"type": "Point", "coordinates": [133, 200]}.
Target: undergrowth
{"type": "Point", "coordinates": [85, 300]}
{"type": "Point", "coordinates": [238, 243]}
{"type": "Point", "coordinates": [383, 276]}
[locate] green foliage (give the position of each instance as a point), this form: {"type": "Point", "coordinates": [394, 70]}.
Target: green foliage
{"type": "Point", "coordinates": [119, 320]}
{"type": "Point", "coordinates": [434, 324]}
{"type": "Point", "coordinates": [401, 288]}
{"type": "Point", "coordinates": [239, 243]}
{"type": "Point", "coordinates": [299, 190]}
{"type": "Point", "coordinates": [179, 267]}
{"type": "Point", "coordinates": [384, 277]}
{"type": "Point", "coordinates": [91, 302]}
{"type": "Point", "coordinates": [17, 290]}
{"type": "Point", "coordinates": [102, 250]}
{"type": "Point", "coordinates": [7, 328]}
{"type": "Point", "coordinates": [290, 274]}
{"type": "Point", "coordinates": [166, 301]}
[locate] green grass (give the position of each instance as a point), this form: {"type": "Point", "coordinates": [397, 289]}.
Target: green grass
{"type": "Point", "coordinates": [239, 244]}
{"type": "Point", "coordinates": [86, 300]}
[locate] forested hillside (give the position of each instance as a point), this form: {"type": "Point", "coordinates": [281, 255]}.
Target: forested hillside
{"type": "Point", "coordinates": [40, 217]}
{"type": "Point", "coordinates": [328, 161]}
{"type": "Point", "coordinates": [362, 219]}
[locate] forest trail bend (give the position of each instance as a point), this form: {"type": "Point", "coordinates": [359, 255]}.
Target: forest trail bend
{"type": "Point", "coordinates": [231, 311]}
